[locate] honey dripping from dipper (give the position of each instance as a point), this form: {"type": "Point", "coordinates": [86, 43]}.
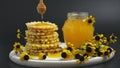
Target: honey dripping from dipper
{"type": "Point", "coordinates": [41, 8]}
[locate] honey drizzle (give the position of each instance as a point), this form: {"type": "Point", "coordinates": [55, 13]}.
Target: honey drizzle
{"type": "Point", "coordinates": [41, 8]}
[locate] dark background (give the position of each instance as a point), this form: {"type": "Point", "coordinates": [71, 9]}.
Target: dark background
{"type": "Point", "coordinates": [15, 13]}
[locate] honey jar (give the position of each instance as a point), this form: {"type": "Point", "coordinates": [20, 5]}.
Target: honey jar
{"type": "Point", "coordinates": [76, 30]}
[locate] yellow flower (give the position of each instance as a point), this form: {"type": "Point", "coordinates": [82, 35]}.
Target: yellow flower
{"type": "Point", "coordinates": [24, 56]}
{"type": "Point", "coordinates": [98, 39]}
{"type": "Point", "coordinates": [89, 49]}
{"type": "Point", "coordinates": [18, 35]}
{"type": "Point", "coordinates": [66, 54]}
{"type": "Point", "coordinates": [113, 38]}
{"type": "Point", "coordinates": [106, 51]}
{"type": "Point", "coordinates": [42, 56]}
{"type": "Point", "coordinates": [105, 41]}
{"type": "Point", "coordinates": [17, 47]}
{"type": "Point", "coordinates": [70, 47]}
{"type": "Point", "coordinates": [18, 31]}
{"type": "Point", "coordinates": [110, 50]}
{"type": "Point", "coordinates": [99, 52]}
{"type": "Point", "coordinates": [90, 20]}
{"type": "Point", "coordinates": [102, 51]}
{"type": "Point", "coordinates": [81, 58]}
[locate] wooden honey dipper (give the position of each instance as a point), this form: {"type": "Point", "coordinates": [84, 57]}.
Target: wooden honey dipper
{"type": "Point", "coordinates": [41, 8]}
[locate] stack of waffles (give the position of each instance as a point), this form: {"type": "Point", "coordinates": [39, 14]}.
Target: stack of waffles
{"type": "Point", "coordinates": [42, 37]}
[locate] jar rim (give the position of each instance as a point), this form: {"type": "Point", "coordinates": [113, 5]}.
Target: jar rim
{"type": "Point", "coordinates": [81, 15]}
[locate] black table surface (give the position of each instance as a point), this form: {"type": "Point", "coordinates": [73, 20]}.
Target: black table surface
{"type": "Point", "coordinates": [5, 62]}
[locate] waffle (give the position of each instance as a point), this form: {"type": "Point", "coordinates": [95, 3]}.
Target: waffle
{"type": "Point", "coordinates": [42, 37]}
{"type": "Point", "coordinates": [41, 26]}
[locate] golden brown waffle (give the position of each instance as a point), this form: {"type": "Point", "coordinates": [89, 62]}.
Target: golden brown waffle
{"type": "Point", "coordinates": [38, 36]}
{"type": "Point", "coordinates": [43, 41]}
{"type": "Point", "coordinates": [41, 33]}
{"type": "Point", "coordinates": [42, 46]}
{"type": "Point", "coordinates": [41, 26]}
{"type": "Point", "coordinates": [35, 52]}
{"type": "Point", "coordinates": [35, 49]}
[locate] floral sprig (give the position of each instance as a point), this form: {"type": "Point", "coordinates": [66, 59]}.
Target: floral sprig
{"type": "Point", "coordinates": [18, 34]}
{"type": "Point", "coordinates": [98, 46]}
{"type": "Point", "coordinates": [71, 52]}
{"type": "Point", "coordinates": [100, 39]}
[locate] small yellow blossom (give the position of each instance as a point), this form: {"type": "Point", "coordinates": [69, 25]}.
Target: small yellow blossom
{"type": "Point", "coordinates": [66, 54]}
{"type": "Point", "coordinates": [106, 51]}
{"type": "Point", "coordinates": [24, 56]}
{"type": "Point", "coordinates": [18, 35]}
{"type": "Point", "coordinates": [18, 31]}
{"type": "Point", "coordinates": [42, 56]}
{"type": "Point", "coordinates": [17, 47]}
{"type": "Point", "coordinates": [113, 38]}
{"type": "Point", "coordinates": [89, 48]}
{"type": "Point", "coordinates": [98, 39]}
{"type": "Point", "coordinates": [82, 59]}
{"type": "Point", "coordinates": [70, 47]}
{"type": "Point", "coordinates": [90, 19]}
{"type": "Point", "coordinates": [105, 41]}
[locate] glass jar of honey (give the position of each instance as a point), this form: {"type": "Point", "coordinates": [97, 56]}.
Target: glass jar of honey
{"type": "Point", "coordinates": [76, 30]}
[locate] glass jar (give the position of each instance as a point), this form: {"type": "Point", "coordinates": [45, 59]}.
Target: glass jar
{"type": "Point", "coordinates": [76, 30]}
